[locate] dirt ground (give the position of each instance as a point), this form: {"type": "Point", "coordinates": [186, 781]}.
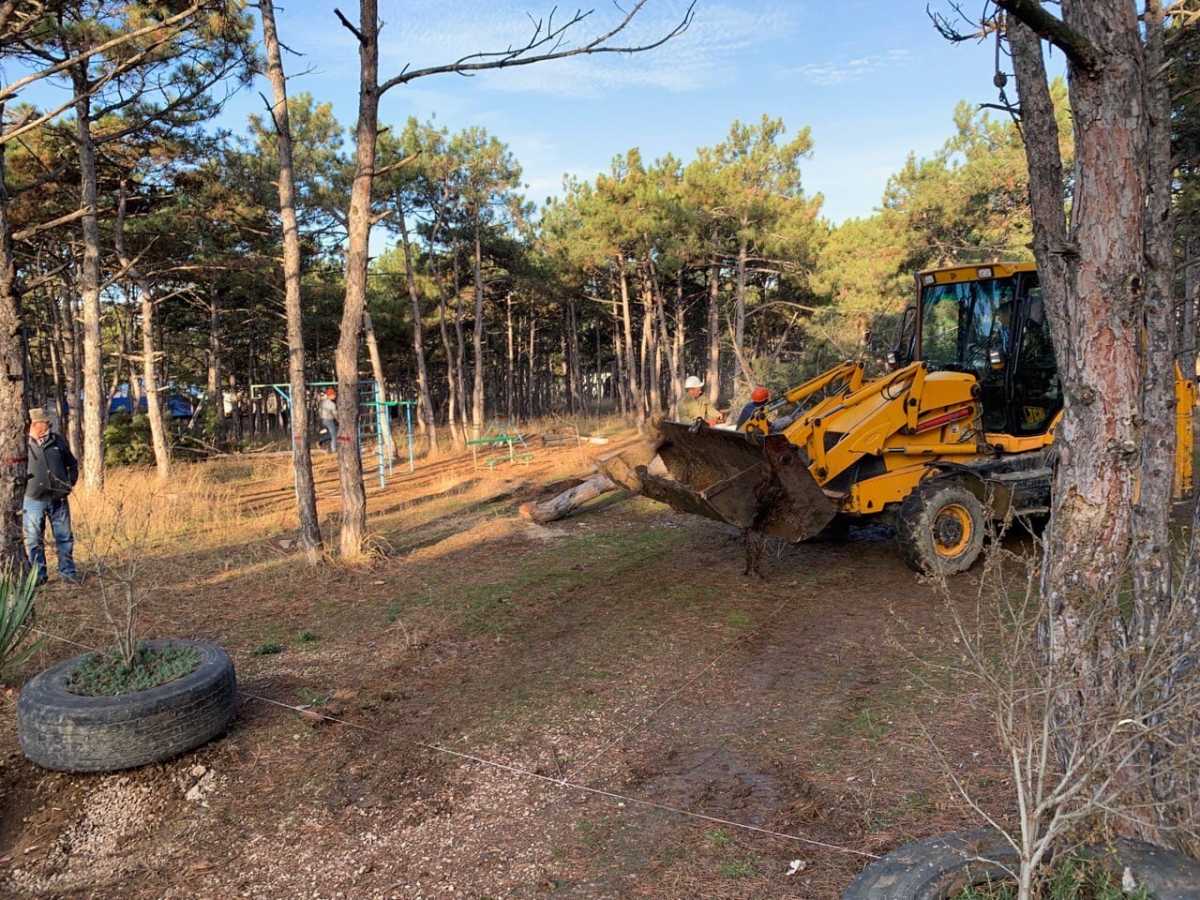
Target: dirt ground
{"type": "Point", "coordinates": [620, 650]}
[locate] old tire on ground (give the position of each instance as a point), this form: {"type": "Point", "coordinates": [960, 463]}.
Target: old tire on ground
{"type": "Point", "coordinates": [71, 733]}
{"type": "Point", "coordinates": [941, 867]}
{"type": "Point", "coordinates": [940, 528]}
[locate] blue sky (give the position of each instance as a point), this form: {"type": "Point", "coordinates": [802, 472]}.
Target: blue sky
{"type": "Point", "coordinates": [871, 77]}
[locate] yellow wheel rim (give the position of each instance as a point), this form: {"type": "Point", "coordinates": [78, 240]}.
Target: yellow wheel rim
{"type": "Point", "coordinates": [952, 530]}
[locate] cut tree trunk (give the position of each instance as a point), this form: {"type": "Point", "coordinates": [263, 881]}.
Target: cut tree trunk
{"type": "Point", "coordinates": [568, 501]}
{"type": "Point", "coordinates": [306, 498]}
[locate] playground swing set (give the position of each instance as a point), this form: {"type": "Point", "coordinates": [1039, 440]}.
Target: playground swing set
{"type": "Point", "coordinates": [370, 396]}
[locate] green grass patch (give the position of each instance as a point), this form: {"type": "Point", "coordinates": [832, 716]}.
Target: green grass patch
{"type": "Point", "coordinates": [737, 868]}
{"type": "Point", "coordinates": [307, 637]}
{"type": "Point", "coordinates": [309, 697]}
{"type": "Point", "coordinates": [1073, 878]}
{"type": "Point", "coordinates": [738, 619]}
{"type": "Point", "coordinates": [268, 648]}
{"type": "Point", "coordinates": [107, 674]}
{"type": "Point", "coordinates": [718, 837]}
{"type": "Point", "coordinates": [495, 607]}
{"type": "Point", "coordinates": [869, 724]}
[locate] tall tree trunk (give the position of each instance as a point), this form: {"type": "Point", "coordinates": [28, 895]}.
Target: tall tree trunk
{"type": "Point", "coordinates": [1110, 321]}
{"type": "Point", "coordinates": [14, 409]}
{"type": "Point", "coordinates": [306, 497]}
{"type": "Point", "coordinates": [158, 431]}
{"type": "Point", "coordinates": [384, 416]}
{"type": "Point", "coordinates": [712, 378]}
{"type": "Point", "coordinates": [508, 372]}
{"type": "Point", "coordinates": [460, 351]}
{"type": "Point", "coordinates": [1191, 296]}
{"type": "Point", "coordinates": [418, 334]}
{"type": "Point", "coordinates": [73, 364]}
{"type": "Point", "coordinates": [58, 360]}
{"type": "Point", "coordinates": [575, 385]}
{"type": "Point", "coordinates": [633, 380]}
{"type": "Point", "coordinates": [677, 347]}
{"type": "Point", "coordinates": [213, 387]}
{"type": "Point", "coordinates": [533, 408]}
{"type": "Point", "coordinates": [358, 228]}
{"type": "Point", "coordinates": [94, 406]}
{"type": "Point", "coordinates": [739, 315]}
{"type": "Point", "coordinates": [456, 434]}
{"type": "Point", "coordinates": [477, 394]}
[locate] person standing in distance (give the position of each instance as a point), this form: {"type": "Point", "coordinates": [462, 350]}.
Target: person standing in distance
{"type": "Point", "coordinates": [53, 472]}
{"type": "Point", "coordinates": [328, 415]}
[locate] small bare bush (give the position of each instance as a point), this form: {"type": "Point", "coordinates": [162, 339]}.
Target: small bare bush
{"type": "Point", "coordinates": [1092, 752]}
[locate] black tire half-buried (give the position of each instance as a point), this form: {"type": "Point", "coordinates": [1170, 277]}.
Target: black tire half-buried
{"type": "Point", "coordinates": [941, 867]}
{"type": "Point", "coordinates": [71, 733]}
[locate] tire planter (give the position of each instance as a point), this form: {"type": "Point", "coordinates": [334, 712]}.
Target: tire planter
{"type": "Point", "coordinates": [940, 867]}
{"type": "Point", "coordinates": [72, 733]}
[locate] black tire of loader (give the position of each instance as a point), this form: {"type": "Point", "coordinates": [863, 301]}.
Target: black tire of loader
{"type": "Point", "coordinates": [940, 867]}
{"type": "Point", "coordinates": [915, 532]}
{"type": "Point", "coordinates": [71, 733]}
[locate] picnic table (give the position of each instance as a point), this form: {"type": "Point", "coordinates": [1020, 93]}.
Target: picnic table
{"type": "Point", "coordinates": [498, 441]}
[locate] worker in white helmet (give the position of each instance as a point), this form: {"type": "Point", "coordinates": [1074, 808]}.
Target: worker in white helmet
{"type": "Point", "coordinates": [693, 406]}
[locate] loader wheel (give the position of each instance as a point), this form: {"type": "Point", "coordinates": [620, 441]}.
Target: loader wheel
{"type": "Point", "coordinates": [940, 528]}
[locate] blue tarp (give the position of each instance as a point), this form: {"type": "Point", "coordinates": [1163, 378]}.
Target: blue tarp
{"type": "Point", "coordinates": [175, 406]}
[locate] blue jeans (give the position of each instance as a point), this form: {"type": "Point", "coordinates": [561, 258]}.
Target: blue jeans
{"type": "Point", "coordinates": [331, 427]}
{"type": "Point", "coordinates": [35, 514]}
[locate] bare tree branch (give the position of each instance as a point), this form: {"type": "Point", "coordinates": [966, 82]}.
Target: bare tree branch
{"type": "Point", "coordinates": [545, 35]}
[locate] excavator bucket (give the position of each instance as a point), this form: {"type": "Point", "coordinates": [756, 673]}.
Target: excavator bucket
{"type": "Point", "coordinates": [754, 481]}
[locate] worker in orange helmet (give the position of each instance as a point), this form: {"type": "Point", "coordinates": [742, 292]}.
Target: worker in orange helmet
{"type": "Point", "coordinates": [759, 398]}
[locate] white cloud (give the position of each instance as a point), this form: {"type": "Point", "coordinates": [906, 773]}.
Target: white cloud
{"type": "Point", "coordinates": [829, 74]}
{"type": "Point", "coordinates": [434, 33]}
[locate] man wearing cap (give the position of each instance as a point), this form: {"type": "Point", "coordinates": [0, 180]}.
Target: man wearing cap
{"type": "Point", "coordinates": [52, 473]}
{"type": "Point", "coordinates": [327, 412]}
{"type": "Point", "coordinates": [693, 406]}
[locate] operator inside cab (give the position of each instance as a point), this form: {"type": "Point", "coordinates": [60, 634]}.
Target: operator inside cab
{"type": "Point", "coordinates": [693, 406]}
{"type": "Point", "coordinates": [758, 399]}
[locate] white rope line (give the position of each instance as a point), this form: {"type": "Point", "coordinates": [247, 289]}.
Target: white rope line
{"type": "Point", "coordinates": [674, 694]}
{"type": "Point", "coordinates": [563, 783]}
{"type": "Point", "coordinates": [537, 776]}
{"type": "Point", "coordinates": [59, 637]}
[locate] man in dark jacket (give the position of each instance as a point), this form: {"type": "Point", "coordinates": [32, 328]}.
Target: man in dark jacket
{"type": "Point", "coordinates": [52, 474]}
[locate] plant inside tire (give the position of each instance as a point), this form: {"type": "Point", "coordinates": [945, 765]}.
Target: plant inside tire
{"type": "Point", "coordinates": [942, 867]}
{"type": "Point", "coordinates": [940, 527]}
{"type": "Point", "coordinates": [70, 732]}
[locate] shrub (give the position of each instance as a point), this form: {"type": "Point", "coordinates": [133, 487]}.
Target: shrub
{"type": "Point", "coordinates": [109, 675]}
{"type": "Point", "coordinates": [127, 441]}
{"type": "Point", "coordinates": [16, 618]}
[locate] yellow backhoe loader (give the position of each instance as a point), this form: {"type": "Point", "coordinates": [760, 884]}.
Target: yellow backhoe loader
{"type": "Point", "coordinates": [959, 433]}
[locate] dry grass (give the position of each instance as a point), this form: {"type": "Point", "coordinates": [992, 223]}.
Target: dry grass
{"type": "Point", "coordinates": [202, 505]}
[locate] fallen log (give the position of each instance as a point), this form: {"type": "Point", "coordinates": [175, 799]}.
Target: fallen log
{"type": "Point", "coordinates": [567, 502]}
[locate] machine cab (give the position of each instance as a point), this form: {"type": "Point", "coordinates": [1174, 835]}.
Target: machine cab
{"type": "Point", "coordinates": [989, 321]}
